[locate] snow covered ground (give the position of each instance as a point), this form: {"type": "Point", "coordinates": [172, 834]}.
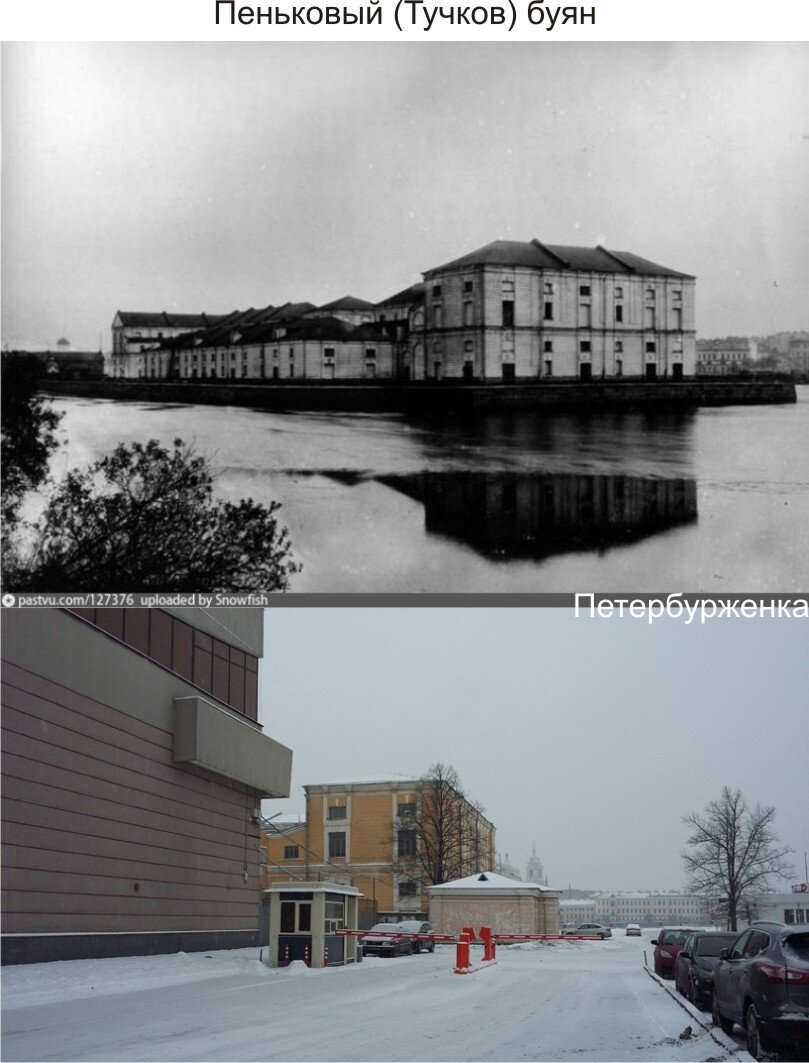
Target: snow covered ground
{"type": "Point", "coordinates": [582, 1001]}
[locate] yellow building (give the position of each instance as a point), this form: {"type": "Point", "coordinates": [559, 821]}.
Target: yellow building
{"type": "Point", "coordinates": [391, 837]}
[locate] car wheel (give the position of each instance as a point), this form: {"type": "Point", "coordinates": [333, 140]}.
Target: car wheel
{"type": "Point", "coordinates": [416, 948]}
{"type": "Point", "coordinates": [757, 1043]}
{"type": "Point", "coordinates": [431, 948]}
{"type": "Point", "coordinates": [718, 1018]}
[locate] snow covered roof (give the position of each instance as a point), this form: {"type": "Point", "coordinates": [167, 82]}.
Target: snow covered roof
{"type": "Point", "coordinates": [490, 880]}
{"type": "Point", "coordinates": [369, 780]}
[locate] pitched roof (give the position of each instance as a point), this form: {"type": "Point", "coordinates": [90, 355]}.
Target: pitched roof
{"type": "Point", "coordinates": [555, 256]}
{"type": "Point", "coordinates": [347, 302]}
{"type": "Point", "coordinates": [491, 881]}
{"type": "Point", "coordinates": [156, 319]}
{"type": "Point", "coordinates": [413, 294]}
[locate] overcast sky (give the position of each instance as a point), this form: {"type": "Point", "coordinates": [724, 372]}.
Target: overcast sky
{"type": "Point", "coordinates": [590, 739]}
{"type": "Point", "coordinates": [208, 176]}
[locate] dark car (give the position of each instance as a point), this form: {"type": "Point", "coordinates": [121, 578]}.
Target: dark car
{"type": "Point", "coordinates": [762, 983]}
{"type": "Point", "coordinates": [693, 968]}
{"type": "Point", "coordinates": [667, 944]}
{"type": "Point", "coordinates": [417, 927]}
{"type": "Point", "coordinates": [386, 939]}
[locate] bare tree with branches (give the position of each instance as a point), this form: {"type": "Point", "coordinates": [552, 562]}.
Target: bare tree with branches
{"type": "Point", "coordinates": [443, 839]}
{"type": "Point", "coordinates": [733, 852]}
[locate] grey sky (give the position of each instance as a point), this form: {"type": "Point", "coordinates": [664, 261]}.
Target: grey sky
{"type": "Point", "coordinates": [589, 739]}
{"type": "Point", "coordinates": [208, 176]}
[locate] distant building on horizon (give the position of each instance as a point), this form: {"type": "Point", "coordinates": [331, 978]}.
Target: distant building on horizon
{"type": "Point", "coordinates": [507, 312]}
{"type": "Point", "coordinates": [725, 357]}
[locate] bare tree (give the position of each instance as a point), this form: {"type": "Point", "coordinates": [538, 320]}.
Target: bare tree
{"type": "Point", "coordinates": [442, 840]}
{"type": "Point", "coordinates": [733, 852]}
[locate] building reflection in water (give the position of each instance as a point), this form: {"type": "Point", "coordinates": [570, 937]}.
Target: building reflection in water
{"type": "Point", "coordinates": [527, 515]}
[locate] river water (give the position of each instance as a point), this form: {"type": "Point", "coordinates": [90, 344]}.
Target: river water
{"type": "Point", "coordinates": [713, 500]}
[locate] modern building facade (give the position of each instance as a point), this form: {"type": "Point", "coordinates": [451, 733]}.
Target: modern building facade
{"type": "Point", "coordinates": [361, 833]}
{"type": "Point", "coordinates": [133, 771]}
{"type": "Point", "coordinates": [507, 312]}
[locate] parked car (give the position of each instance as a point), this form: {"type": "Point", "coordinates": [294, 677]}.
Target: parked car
{"type": "Point", "coordinates": [590, 930]}
{"type": "Point", "coordinates": [385, 939]}
{"type": "Point", "coordinates": [762, 983]}
{"type": "Point", "coordinates": [416, 927]}
{"type": "Point", "coordinates": [667, 944]}
{"type": "Point", "coordinates": [633, 930]}
{"type": "Point", "coordinates": [693, 967]}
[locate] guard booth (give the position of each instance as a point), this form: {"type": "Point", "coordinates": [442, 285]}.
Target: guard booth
{"type": "Point", "coordinates": [304, 919]}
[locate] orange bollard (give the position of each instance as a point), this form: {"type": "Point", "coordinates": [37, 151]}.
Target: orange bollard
{"type": "Point", "coordinates": [489, 947]}
{"type": "Point", "coordinates": [462, 963]}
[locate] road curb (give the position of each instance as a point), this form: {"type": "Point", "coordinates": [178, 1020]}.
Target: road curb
{"type": "Point", "coordinates": [716, 1035]}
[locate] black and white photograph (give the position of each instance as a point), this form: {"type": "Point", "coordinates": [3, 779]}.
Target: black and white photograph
{"type": "Point", "coordinates": [400, 318]}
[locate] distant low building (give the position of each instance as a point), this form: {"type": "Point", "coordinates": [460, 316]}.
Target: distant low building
{"type": "Point", "coordinates": [63, 363]}
{"type": "Point", "coordinates": [798, 355]}
{"type": "Point", "coordinates": [648, 909]}
{"type": "Point", "coordinates": [507, 312]}
{"type": "Point", "coordinates": [725, 357]}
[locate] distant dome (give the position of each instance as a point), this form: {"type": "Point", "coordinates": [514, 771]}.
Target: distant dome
{"type": "Point", "coordinates": [63, 342]}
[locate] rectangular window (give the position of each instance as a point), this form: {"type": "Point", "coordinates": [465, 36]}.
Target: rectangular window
{"type": "Point", "coordinates": [548, 287]}
{"type": "Point", "coordinates": [467, 286]}
{"type": "Point", "coordinates": [619, 367]}
{"type": "Point", "coordinates": [287, 917]}
{"type": "Point", "coordinates": [548, 367]}
{"type": "Point", "coordinates": [619, 291]}
{"type": "Point", "coordinates": [436, 290]}
{"type": "Point", "coordinates": [584, 289]}
{"type": "Point", "coordinates": [328, 352]}
{"type": "Point", "coordinates": [584, 346]}
{"type": "Point", "coordinates": [370, 352]}
{"type": "Point", "coordinates": [650, 294]}
{"type": "Point", "coordinates": [548, 312]}
{"type": "Point", "coordinates": [619, 312]}
{"type": "Point", "coordinates": [337, 811]}
{"type": "Point", "coordinates": [290, 852]}
{"type": "Point", "coordinates": [619, 346]}
{"type": "Point", "coordinates": [406, 809]}
{"type": "Point", "coordinates": [406, 843]}
{"type": "Point", "coordinates": [677, 296]}
{"type": "Point", "coordinates": [547, 346]}
{"type": "Point", "coordinates": [678, 318]}
{"type": "Point", "coordinates": [467, 313]}
{"type": "Point", "coordinates": [651, 346]}
{"type": "Point", "coordinates": [407, 889]}
{"type": "Point", "coordinates": [337, 843]}
{"type": "Point", "coordinates": [508, 313]}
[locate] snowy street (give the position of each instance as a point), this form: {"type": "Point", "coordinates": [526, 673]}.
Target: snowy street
{"type": "Point", "coordinates": [587, 1000]}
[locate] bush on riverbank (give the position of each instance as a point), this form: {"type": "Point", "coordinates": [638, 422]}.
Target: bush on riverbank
{"type": "Point", "coordinates": [143, 518]}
